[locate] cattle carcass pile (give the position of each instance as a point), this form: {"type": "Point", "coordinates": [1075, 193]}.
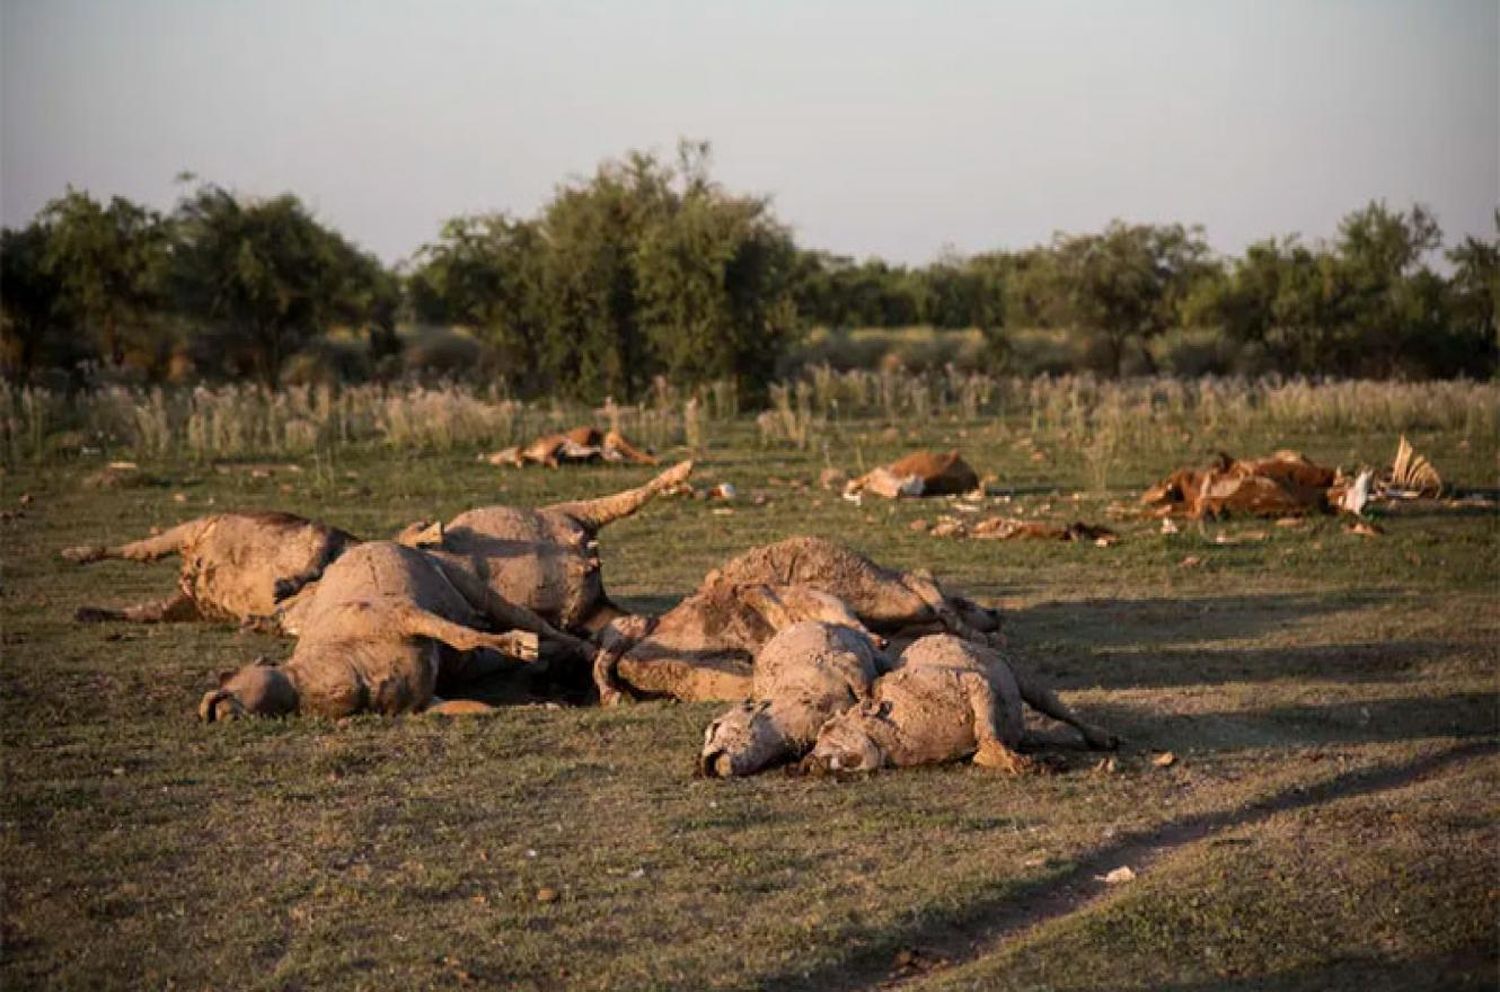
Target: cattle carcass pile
{"type": "Point", "coordinates": [828, 657]}
{"type": "Point", "coordinates": [1287, 484]}
{"type": "Point", "coordinates": [829, 660]}
{"type": "Point", "coordinates": [580, 445]}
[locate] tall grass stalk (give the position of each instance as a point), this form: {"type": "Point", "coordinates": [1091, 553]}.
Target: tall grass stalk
{"type": "Point", "coordinates": [1101, 418]}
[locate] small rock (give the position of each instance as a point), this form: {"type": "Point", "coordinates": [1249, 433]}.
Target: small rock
{"type": "Point", "coordinates": [25, 499]}
{"type": "Point", "coordinates": [1191, 561]}
{"type": "Point", "coordinates": [1119, 876]}
{"type": "Point", "coordinates": [1168, 525]}
{"type": "Point", "coordinates": [546, 895]}
{"type": "Point", "coordinates": [918, 525]}
{"type": "Point", "coordinates": [179, 497]}
{"type": "Point", "coordinates": [1164, 760]}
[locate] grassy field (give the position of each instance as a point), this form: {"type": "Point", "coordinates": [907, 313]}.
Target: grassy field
{"type": "Point", "coordinates": [1328, 821]}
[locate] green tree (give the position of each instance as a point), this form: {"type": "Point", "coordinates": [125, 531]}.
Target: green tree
{"type": "Point", "coordinates": [1390, 304]}
{"type": "Point", "coordinates": [713, 275]}
{"type": "Point", "coordinates": [1473, 306]}
{"type": "Point", "coordinates": [485, 273]}
{"type": "Point", "coordinates": [31, 334]}
{"type": "Point", "coordinates": [263, 278]}
{"type": "Point", "coordinates": [595, 344]}
{"type": "Point", "coordinates": [644, 269]}
{"type": "Point", "coordinates": [1123, 286]}
{"type": "Point", "coordinates": [965, 292]}
{"type": "Point", "coordinates": [109, 263]}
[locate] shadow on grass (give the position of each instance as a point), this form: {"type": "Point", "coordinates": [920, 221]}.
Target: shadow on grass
{"type": "Point", "coordinates": [1095, 623]}
{"type": "Point", "coordinates": [1361, 661]}
{"type": "Point", "coordinates": [967, 932]}
{"type": "Point", "coordinates": [1470, 968]}
{"type": "Point", "coordinates": [1455, 715]}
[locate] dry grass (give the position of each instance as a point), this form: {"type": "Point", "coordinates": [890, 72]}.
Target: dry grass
{"type": "Point", "coordinates": [139, 849]}
{"type": "Point", "coordinates": [1107, 419]}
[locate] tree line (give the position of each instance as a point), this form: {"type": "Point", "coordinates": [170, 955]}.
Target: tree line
{"type": "Point", "coordinates": [650, 268]}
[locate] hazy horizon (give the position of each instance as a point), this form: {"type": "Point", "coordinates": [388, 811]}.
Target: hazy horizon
{"type": "Point", "coordinates": [877, 128]}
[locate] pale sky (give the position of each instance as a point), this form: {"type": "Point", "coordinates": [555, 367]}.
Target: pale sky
{"type": "Point", "coordinates": [884, 128]}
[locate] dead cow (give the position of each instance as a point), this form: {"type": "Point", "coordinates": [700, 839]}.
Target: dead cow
{"type": "Point", "coordinates": [378, 630]}
{"type": "Point", "coordinates": [581, 444]}
{"type": "Point", "coordinates": [944, 700]}
{"type": "Point", "coordinates": [804, 675]}
{"type": "Point", "coordinates": [545, 560]}
{"type": "Point", "coordinates": [703, 648]}
{"type": "Point", "coordinates": [888, 601]}
{"type": "Point", "coordinates": [1284, 484]}
{"type": "Point", "coordinates": [922, 473]}
{"type": "Point", "coordinates": [234, 565]}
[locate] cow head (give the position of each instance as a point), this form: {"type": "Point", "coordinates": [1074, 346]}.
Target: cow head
{"type": "Point", "coordinates": [742, 741]}
{"type": "Point", "coordinates": [258, 689]}
{"type": "Point", "coordinates": [846, 744]}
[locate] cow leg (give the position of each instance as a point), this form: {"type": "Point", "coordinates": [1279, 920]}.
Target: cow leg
{"type": "Point", "coordinates": [614, 640]}
{"type": "Point", "coordinates": [1044, 700]}
{"type": "Point", "coordinates": [930, 595]}
{"type": "Point", "coordinates": [177, 608]}
{"type": "Point", "coordinates": [998, 725]}
{"type": "Point", "coordinates": [169, 542]}
{"type": "Point", "coordinates": [414, 621]}
{"type": "Point", "coordinates": [507, 614]}
{"type": "Point", "coordinates": [592, 514]}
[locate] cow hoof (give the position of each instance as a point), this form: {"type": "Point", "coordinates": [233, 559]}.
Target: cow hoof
{"type": "Point", "coordinates": [992, 754]}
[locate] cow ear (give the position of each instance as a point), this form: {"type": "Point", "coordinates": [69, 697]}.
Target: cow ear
{"type": "Point", "coordinates": [870, 707]}
{"type": "Point", "coordinates": [430, 537]}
